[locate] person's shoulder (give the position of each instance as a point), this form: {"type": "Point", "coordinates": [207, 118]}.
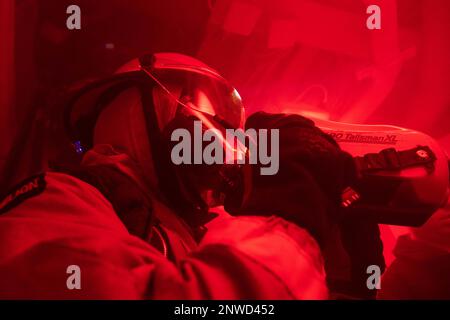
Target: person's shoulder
{"type": "Point", "coordinates": [47, 184]}
{"type": "Point", "coordinates": [55, 196]}
{"type": "Point", "coordinates": [24, 190]}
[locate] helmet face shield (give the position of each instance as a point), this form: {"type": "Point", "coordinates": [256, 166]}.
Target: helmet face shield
{"type": "Point", "coordinates": [203, 93]}
{"type": "Point", "coordinates": [199, 92]}
{"type": "Point", "coordinates": [175, 91]}
{"type": "Point", "coordinates": [178, 85]}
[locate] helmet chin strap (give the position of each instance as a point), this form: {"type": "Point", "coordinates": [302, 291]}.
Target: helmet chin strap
{"type": "Point", "coordinates": [178, 193]}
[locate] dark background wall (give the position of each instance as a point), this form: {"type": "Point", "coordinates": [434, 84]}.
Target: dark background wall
{"type": "Point", "coordinates": [49, 58]}
{"type": "Point", "coordinates": [7, 32]}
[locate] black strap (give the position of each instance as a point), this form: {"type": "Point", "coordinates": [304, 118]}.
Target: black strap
{"type": "Point", "coordinates": [391, 159]}
{"type": "Point", "coordinates": [27, 189]}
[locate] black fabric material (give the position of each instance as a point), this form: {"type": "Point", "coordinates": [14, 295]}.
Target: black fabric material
{"type": "Point", "coordinates": [25, 190]}
{"type": "Point", "coordinates": [364, 247]}
{"type": "Point", "coordinates": [307, 190]}
{"type": "Point", "coordinates": [392, 159]}
{"type": "Point", "coordinates": [313, 171]}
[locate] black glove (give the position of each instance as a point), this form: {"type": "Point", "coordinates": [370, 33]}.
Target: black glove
{"type": "Point", "coordinates": [307, 191]}
{"type": "Point", "coordinates": [313, 171]}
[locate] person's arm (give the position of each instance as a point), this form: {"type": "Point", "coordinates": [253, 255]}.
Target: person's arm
{"type": "Point", "coordinates": [71, 223]}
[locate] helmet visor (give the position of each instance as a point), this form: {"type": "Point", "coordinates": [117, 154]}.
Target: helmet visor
{"type": "Point", "coordinates": [206, 93]}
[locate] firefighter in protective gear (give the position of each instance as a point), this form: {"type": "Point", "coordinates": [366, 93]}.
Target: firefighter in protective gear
{"type": "Point", "coordinates": [139, 227]}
